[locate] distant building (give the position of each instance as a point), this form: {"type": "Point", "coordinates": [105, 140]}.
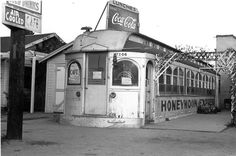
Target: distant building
{"type": "Point", "coordinates": [40, 45]}
{"type": "Point", "coordinates": [224, 42]}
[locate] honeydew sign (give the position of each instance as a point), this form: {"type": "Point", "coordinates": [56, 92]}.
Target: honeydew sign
{"type": "Point", "coordinates": [122, 17]}
{"type": "Point", "coordinates": [24, 14]}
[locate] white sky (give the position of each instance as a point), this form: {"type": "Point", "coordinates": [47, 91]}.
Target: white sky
{"type": "Point", "coordinates": [173, 22]}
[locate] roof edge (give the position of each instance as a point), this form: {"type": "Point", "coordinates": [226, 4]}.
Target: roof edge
{"type": "Point", "coordinates": [229, 35]}
{"type": "Point", "coordinates": [57, 51]}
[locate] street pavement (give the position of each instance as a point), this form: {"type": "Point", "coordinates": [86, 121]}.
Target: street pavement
{"type": "Point", "coordinates": [194, 135]}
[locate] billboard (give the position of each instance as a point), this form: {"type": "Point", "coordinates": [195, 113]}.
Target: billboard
{"type": "Point", "coordinates": [15, 16]}
{"type": "Point", "coordinates": [34, 6]}
{"type": "Point", "coordinates": [122, 17]}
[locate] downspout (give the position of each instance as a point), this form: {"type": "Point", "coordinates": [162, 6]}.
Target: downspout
{"type": "Point", "coordinates": [33, 83]}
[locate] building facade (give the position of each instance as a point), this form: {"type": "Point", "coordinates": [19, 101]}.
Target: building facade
{"type": "Point", "coordinates": [110, 81]}
{"type": "Point", "coordinates": [37, 46]}
{"type": "Point", "coordinates": [224, 42]}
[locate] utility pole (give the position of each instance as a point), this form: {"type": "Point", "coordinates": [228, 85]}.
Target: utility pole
{"type": "Point", "coordinates": [16, 84]}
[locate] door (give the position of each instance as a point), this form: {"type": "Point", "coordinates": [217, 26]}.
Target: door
{"type": "Point", "coordinates": [95, 89]}
{"type": "Point", "coordinates": [60, 89]}
{"type": "Point", "coordinates": [149, 92]}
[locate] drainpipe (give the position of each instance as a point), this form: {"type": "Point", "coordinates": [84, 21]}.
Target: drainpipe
{"type": "Point", "coordinates": [33, 83]}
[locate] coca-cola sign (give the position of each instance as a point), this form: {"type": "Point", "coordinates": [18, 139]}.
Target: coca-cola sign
{"type": "Point", "coordinates": [122, 17]}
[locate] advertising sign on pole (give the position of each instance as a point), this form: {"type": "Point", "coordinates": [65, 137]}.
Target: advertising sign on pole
{"type": "Point", "coordinates": [122, 17]}
{"type": "Point", "coordinates": [34, 6]}
{"type": "Point", "coordinates": [20, 18]}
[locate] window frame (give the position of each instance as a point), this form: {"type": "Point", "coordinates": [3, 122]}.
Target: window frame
{"type": "Point", "coordinates": [126, 86]}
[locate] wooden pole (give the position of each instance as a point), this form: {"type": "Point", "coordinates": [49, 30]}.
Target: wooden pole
{"type": "Point", "coordinates": [16, 84]}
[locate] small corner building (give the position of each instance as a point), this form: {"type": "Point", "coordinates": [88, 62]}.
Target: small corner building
{"type": "Point", "coordinates": [106, 78]}
{"type": "Point", "coordinates": [40, 46]}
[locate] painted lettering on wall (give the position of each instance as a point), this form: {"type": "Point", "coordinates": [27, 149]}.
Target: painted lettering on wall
{"type": "Point", "coordinates": [172, 105]}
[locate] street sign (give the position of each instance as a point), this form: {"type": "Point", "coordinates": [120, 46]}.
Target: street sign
{"type": "Point", "coordinates": [20, 18]}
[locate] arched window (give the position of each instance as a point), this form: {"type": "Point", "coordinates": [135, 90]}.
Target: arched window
{"type": "Point", "coordinates": [168, 75]}
{"type": "Point", "coordinates": [192, 79]}
{"type": "Point", "coordinates": [161, 79]}
{"type": "Point", "coordinates": [161, 84]}
{"type": "Point", "coordinates": [197, 90]}
{"type": "Point", "coordinates": [192, 82]}
{"type": "Point", "coordinates": [204, 81]}
{"type": "Point", "coordinates": [175, 80]}
{"type": "Point", "coordinates": [207, 84]}
{"type": "Point", "coordinates": [213, 83]}
{"type": "Point", "coordinates": [200, 80]}
{"type": "Point", "coordinates": [188, 82]}
{"type": "Point", "coordinates": [125, 73]}
{"type": "Point", "coordinates": [181, 80]}
{"type": "Point", "coordinates": [168, 79]}
{"type": "Point", "coordinates": [74, 73]}
{"type": "Point", "coordinates": [210, 83]}
{"type": "Point", "coordinates": [188, 79]}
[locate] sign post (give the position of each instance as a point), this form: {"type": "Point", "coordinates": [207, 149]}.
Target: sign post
{"type": "Point", "coordinates": [19, 16]}
{"type": "Point", "coordinates": [16, 84]}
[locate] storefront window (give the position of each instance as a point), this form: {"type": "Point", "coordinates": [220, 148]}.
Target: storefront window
{"type": "Point", "coordinates": [74, 74]}
{"type": "Point", "coordinates": [125, 73]}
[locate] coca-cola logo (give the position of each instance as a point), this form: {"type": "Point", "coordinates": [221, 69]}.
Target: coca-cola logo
{"type": "Point", "coordinates": [127, 22]}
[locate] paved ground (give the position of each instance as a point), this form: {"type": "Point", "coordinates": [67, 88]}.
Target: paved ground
{"type": "Point", "coordinates": [44, 137]}
{"type": "Point", "coordinates": [196, 122]}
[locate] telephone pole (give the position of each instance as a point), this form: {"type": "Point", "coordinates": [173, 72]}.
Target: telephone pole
{"type": "Point", "coordinates": [16, 84]}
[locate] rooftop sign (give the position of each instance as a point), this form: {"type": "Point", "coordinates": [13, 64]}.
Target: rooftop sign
{"type": "Point", "coordinates": [122, 17]}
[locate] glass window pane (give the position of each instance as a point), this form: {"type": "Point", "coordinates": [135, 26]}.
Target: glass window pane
{"type": "Point", "coordinates": [188, 74]}
{"type": "Point", "coordinates": [181, 81]}
{"type": "Point", "coordinates": [176, 71]}
{"type": "Point", "coordinates": [192, 75]}
{"type": "Point", "coordinates": [168, 79]}
{"type": "Point", "coordinates": [169, 70]}
{"type": "Point", "coordinates": [175, 80]}
{"type": "Point", "coordinates": [161, 79]}
{"type": "Point", "coordinates": [125, 73]}
{"type": "Point", "coordinates": [181, 73]}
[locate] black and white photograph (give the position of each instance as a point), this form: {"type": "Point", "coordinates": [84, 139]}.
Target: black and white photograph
{"type": "Point", "coordinates": [118, 78]}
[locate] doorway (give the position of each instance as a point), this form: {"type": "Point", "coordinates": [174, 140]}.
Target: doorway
{"type": "Point", "coordinates": [95, 86]}
{"type": "Point", "coordinates": [60, 89]}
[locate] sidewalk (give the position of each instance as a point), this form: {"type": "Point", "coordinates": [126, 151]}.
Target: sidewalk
{"type": "Point", "coordinates": [196, 122]}
{"type": "Point", "coordinates": [30, 116]}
